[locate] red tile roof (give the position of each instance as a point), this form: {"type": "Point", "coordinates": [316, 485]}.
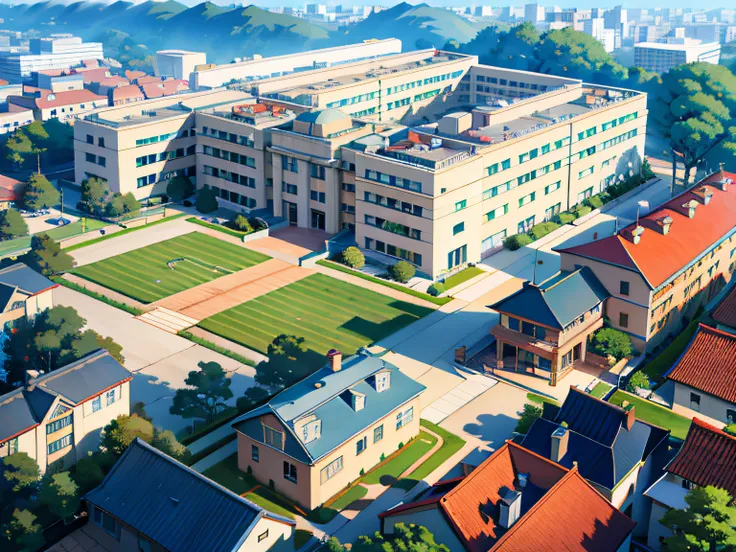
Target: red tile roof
{"type": "Point", "coordinates": [72, 97]}
{"type": "Point", "coordinates": [658, 257]}
{"type": "Point", "coordinates": [709, 364]}
{"type": "Point", "coordinates": [94, 75]}
{"type": "Point", "coordinates": [130, 92]}
{"type": "Point", "coordinates": [132, 75]}
{"type": "Point", "coordinates": [725, 313]}
{"type": "Point", "coordinates": [168, 87]}
{"type": "Point", "coordinates": [708, 457]}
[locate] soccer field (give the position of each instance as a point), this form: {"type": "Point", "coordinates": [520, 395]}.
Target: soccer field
{"type": "Point", "coordinates": [328, 313]}
{"type": "Point", "coordinates": [162, 269]}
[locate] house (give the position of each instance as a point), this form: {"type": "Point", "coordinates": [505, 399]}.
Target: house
{"type": "Point", "coordinates": [314, 438]}
{"type": "Point", "coordinates": [23, 293]}
{"type": "Point", "coordinates": [725, 313]}
{"type": "Point", "coordinates": [160, 89]}
{"type": "Point", "coordinates": [545, 327]}
{"type": "Point", "coordinates": [64, 106]}
{"type": "Point", "coordinates": [660, 269]}
{"type": "Point", "coordinates": [704, 377]}
{"type": "Point", "coordinates": [58, 417]}
{"type": "Point", "coordinates": [11, 190]}
{"type": "Point", "coordinates": [707, 457]}
{"type": "Point", "coordinates": [517, 501]}
{"type": "Point", "coordinates": [126, 94]}
{"type": "Point", "coordinates": [619, 455]}
{"type": "Point", "coordinates": [149, 501]}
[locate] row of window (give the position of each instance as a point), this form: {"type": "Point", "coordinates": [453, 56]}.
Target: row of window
{"type": "Point", "coordinates": [228, 136]}
{"type": "Point", "coordinates": [394, 251]}
{"type": "Point", "coordinates": [100, 140]}
{"type": "Point", "coordinates": [620, 121]}
{"type": "Point", "coordinates": [236, 178]}
{"type": "Point", "coordinates": [505, 82]}
{"type": "Point", "coordinates": [151, 179]}
{"type": "Point", "coordinates": [393, 227]}
{"type": "Point", "coordinates": [96, 159]}
{"type": "Point", "coordinates": [65, 441]}
{"type": "Point", "coordinates": [164, 137]}
{"type": "Point", "coordinates": [56, 425]}
{"type": "Point", "coordinates": [392, 180]}
{"type": "Point", "coordinates": [163, 156]}
{"type": "Point", "coordinates": [395, 204]}
{"type": "Point", "coordinates": [523, 179]}
{"type": "Point", "coordinates": [426, 95]}
{"type": "Point", "coordinates": [363, 113]}
{"type": "Point", "coordinates": [230, 156]}
{"type": "Point", "coordinates": [233, 197]}
{"type": "Point", "coordinates": [354, 100]}
{"type": "Point", "coordinates": [319, 197]}
{"type": "Point", "coordinates": [398, 103]}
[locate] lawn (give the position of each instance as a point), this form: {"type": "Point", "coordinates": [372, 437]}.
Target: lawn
{"type": "Point", "coordinates": [654, 414]}
{"type": "Point", "coordinates": [75, 228]}
{"type": "Point", "coordinates": [600, 390]}
{"type": "Point", "coordinates": [462, 276]}
{"type": "Point", "coordinates": [391, 470]}
{"type": "Point", "coordinates": [451, 444]}
{"type": "Point", "coordinates": [148, 274]}
{"type": "Point", "coordinates": [328, 313]}
{"type": "Point", "coordinates": [355, 493]}
{"type": "Point", "coordinates": [227, 474]}
{"type": "Point", "coordinates": [659, 366]}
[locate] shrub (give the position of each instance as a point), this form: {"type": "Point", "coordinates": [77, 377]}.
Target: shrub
{"type": "Point", "coordinates": [527, 417]}
{"type": "Point", "coordinates": [352, 257]}
{"type": "Point", "coordinates": [402, 271]}
{"type": "Point", "coordinates": [581, 210]}
{"type": "Point", "coordinates": [612, 342]}
{"type": "Point", "coordinates": [565, 218]}
{"type": "Point", "coordinates": [206, 201]}
{"type": "Point", "coordinates": [543, 228]}
{"type": "Point", "coordinates": [517, 241]}
{"type": "Point", "coordinates": [594, 202]}
{"type": "Point", "coordinates": [436, 289]}
{"type": "Point", "coordinates": [242, 224]}
{"type": "Point", "coordinates": [179, 187]}
{"type": "Point", "coordinates": [638, 380]}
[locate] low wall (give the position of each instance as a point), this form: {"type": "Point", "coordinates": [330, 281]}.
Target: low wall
{"type": "Point", "coordinates": [255, 235]}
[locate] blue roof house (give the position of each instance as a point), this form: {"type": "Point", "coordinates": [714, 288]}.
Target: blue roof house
{"type": "Point", "coordinates": [544, 328]}
{"type": "Point", "coordinates": [315, 437]}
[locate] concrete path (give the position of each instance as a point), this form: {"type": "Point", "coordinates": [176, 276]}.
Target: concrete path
{"type": "Point", "coordinates": [211, 438]}
{"type": "Point", "coordinates": [212, 297]}
{"type": "Point", "coordinates": [437, 446]}
{"type": "Point", "coordinates": [456, 398]}
{"type": "Point", "coordinates": [107, 292]}
{"type": "Point", "coordinates": [167, 320]}
{"type": "Point", "coordinates": [216, 457]}
{"type": "Point", "coordinates": [255, 356]}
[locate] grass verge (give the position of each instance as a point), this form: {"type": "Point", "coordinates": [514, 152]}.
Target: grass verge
{"type": "Point", "coordinates": [214, 347]}
{"type": "Point", "coordinates": [654, 414]}
{"type": "Point", "coordinates": [81, 289]}
{"type": "Point", "coordinates": [600, 390]}
{"type": "Point", "coordinates": [205, 452]}
{"type": "Point", "coordinates": [301, 537]}
{"type": "Point", "coordinates": [380, 281]}
{"type": "Point", "coordinates": [658, 367]}
{"type": "Point", "coordinates": [122, 233]}
{"type": "Point", "coordinates": [539, 399]}
{"type": "Point", "coordinates": [390, 471]}
{"type": "Point", "coordinates": [220, 420]}
{"type": "Point", "coordinates": [218, 227]}
{"type": "Point", "coordinates": [462, 276]}
{"type": "Point", "coordinates": [343, 501]}
{"type": "Point", "coordinates": [451, 444]}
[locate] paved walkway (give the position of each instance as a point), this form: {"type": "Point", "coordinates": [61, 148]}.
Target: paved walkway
{"type": "Point", "coordinates": [167, 320]}
{"type": "Point", "coordinates": [211, 438]}
{"type": "Point", "coordinates": [107, 292]}
{"type": "Point", "coordinates": [457, 397]}
{"type": "Point", "coordinates": [216, 457]}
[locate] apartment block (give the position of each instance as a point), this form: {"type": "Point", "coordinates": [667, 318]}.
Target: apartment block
{"type": "Point", "coordinates": [57, 52]}
{"type": "Point", "coordinates": [425, 156]}
{"type": "Point", "coordinates": [660, 57]}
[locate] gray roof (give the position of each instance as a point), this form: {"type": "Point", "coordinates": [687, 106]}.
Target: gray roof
{"type": "Point", "coordinates": [558, 301]}
{"type": "Point", "coordinates": [6, 293]}
{"type": "Point", "coordinates": [85, 377]}
{"type": "Point", "coordinates": [25, 278]}
{"type": "Point", "coordinates": [171, 504]}
{"type": "Point", "coordinates": [16, 415]}
{"type": "Point", "coordinates": [339, 420]}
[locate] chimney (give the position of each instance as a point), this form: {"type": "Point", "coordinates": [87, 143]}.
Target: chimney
{"type": "Point", "coordinates": [706, 194]}
{"type": "Point", "coordinates": [690, 206]}
{"type": "Point", "coordinates": [31, 375]}
{"type": "Point", "coordinates": [723, 183]}
{"type": "Point", "coordinates": [665, 223]}
{"type": "Point", "coordinates": [560, 437]}
{"type": "Point", "coordinates": [636, 234]}
{"type": "Point", "coordinates": [335, 358]}
{"type": "Point", "coordinates": [510, 508]}
{"type": "Point", "coordinates": [630, 416]}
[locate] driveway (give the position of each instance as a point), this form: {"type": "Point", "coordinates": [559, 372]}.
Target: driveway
{"type": "Point", "coordinates": [160, 361]}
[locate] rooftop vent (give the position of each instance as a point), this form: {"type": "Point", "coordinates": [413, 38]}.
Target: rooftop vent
{"type": "Point", "coordinates": [723, 184]}
{"type": "Point", "coordinates": [690, 207]}
{"type": "Point", "coordinates": [665, 223]}
{"type": "Point", "coordinates": [705, 194]}
{"type": "Point", "coordinates": [636, 234]}
{"type": "Point", "coordinates": [510, 508]}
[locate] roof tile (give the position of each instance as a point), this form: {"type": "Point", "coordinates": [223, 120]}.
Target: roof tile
{"type": "Point", "coordinates": [726, 312]}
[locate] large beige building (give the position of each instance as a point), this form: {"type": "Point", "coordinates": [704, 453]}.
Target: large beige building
{"type": "Point", "coordinates": [426, 155]}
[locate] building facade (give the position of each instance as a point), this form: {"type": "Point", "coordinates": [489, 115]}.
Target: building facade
{"type": "Point", "coordinates": [58, 52]}
{"type": "Point", "coordinates": [660, 57]}
{"type": "Point", "coordinates": [25, 292]}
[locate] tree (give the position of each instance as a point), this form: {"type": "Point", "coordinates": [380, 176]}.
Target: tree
{"type": "Point", "coordinates": [116, 206]}
{"type": "Point", "coordinates": [40, 193]}
{"type": "Point", "coordinates": [209, 388]}
{"type": "Point", "coordinates": [242, 224]}
{"type": "Point", "coordinates": [47, 257]}
{"type": "Point", "coordinates": [287, 363]}
{"type": "Point", "coordinates": [19, 471]}
{"type": "Point", "coordinates": [12, 224]}
{"type": "Point", "coordinates": [612, 342]}
{"type": "Point", "coordinates": [23, 532]}
{"type": "Point", "coordinates": [352, 257]}
{"type": "Point", "coordinates": [406, 538]}
{"type": "Point", "coordinates": [638, 380]}
{"type": "Point", "coordinates": [38, 136]}
{"type": "Point", "coordinates": [694, 109]}
{"type": "Point", "coordinates": [166, 442]}
{"type": "Point", "coordinates": [206, 201]}
{"type": "Point", "coordinates": [515, 49]}
{"type": "Point", "coordinates": [60, 493]}
{"type": "Point", "coordinates": [88, 473]}
{"type": "Point", "coordinates": [130, 203]}
{"type": "Point", "coordinates": [402, 271]}
{"type": "Point", "coordinates": [18, 146]}
{"type": "Point", "coordinates": [251, 397]}
{"type": "Point", "coordinates": [179, 187]}
{"type": "Point", "coordinates": [94, 196]}
{"type": "Point", "coordinates": [123, 430]}
{"type": "Point", "coordinates": [527, 416]}
{"type": "Point", "coordinates": [706, 525]}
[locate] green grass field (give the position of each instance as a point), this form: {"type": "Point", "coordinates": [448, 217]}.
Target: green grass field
{"type": "Point", "coordinates": [144, 273]}
{"type": "Point", "coordinates": [654, 414]}
{"type": "Point", "coordinates": [328, 313]}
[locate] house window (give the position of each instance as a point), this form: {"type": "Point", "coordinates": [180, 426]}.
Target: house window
{"type": "Point", "coordinates": [290, 472]}
{"type": "Point", "coordinates": [361, 445]}
{"type": "Point", "coordinates": [514, 324]}
{"type": "Point", "coordinates": [96, 403]}
{"type": "Point", "coordinates": [109, 397]}
{"type": "Point", "coordinates": [107, 522]}
{"type": "Point", "coordinates": [101, 142]}
{"type": "Point", "coordinates": [378, 433]}
{"type": "Point", "coordinates": [318, 172]}
{"type": "Point", "coordinates": [623, 320]}
{"type": "Point", "coordinates": [90, 139]}
{"type": "Point", "coordinates": [624, 288]}
{"type": "Point", "coordinates": [404, 417]}
{"type": "Point", "coordinates": [330, 470]}
{"type": "Point", "coordinates": [687, 484]}
{"type": "Point", "coordinates": [273, 437]}
{"type": "Point", "coordinates": [144, 545]}
{"type": "Point", "coordinates": [730, 416]}
{"type": "Point", "coordinates": [58, 424]}
{"type": "Point", "coordinates": [460, 205]}
{"type": "Point", "coordinates": [383, 381]}
{"type": "Point", "coordinates": [255, 454]}
{"type": "Point", "coordinates": [317, 196]}
{"type": "Point", "coordinates": [695, 402]}
{"type": "Point", "coordinates": [12, 446]}
{"type": "Point", "coordinates": [263, 536]}
{"type": "Point", "coordinates": [59, 444]}
{"type": "Point", "coordinates": [460, 227]}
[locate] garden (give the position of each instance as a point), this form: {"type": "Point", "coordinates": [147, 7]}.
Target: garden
{"type": "Point", "coordinates": [162, 269]}
{"type": "Point", "coordinates": [328, 313]}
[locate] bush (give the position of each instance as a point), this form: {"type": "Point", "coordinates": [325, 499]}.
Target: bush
{"type": "Point", "coordinates": [527, 417]}
{"type": "Point", "coordinates": [517, 241]}
{"type": "Point", "coordinates": [242, 224]}
{"type": "Point", "coordinates": [543, 228]}
{"type": "Point", "coordinates": [436, 289]}
{"type": "Point", "coordinates": [580, 210]}
{"type": "Point", "coordinates": [206, 201]}
{"type": "Point", "coordinates": [612, 342]}
{"type": "Point", "coordinates": [179, 187]}
{"type": "Point", "coordinates": [594, 202]}
{"type": "Point", "coordinates": [402, 271]}
{"type": "Point", "coordinates": [352, 257]}
{"type": "Point", "coordinates": [638, 380]}
{"type": "Point", "coordinates": [565, 218]}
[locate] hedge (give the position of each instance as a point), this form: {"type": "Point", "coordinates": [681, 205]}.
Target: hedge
{"type": "Point", "coordinates": [517, 241]}
{"type": "Point", "coordinates": [543, 228]}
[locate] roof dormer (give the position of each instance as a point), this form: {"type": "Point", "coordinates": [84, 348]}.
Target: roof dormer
{"type": "Point", "coordinates": [308, 429]}
{"type": "Point", "coordinates": [382, 381]}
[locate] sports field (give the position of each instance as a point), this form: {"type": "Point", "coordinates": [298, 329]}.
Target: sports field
{"type": "Point", "coordinates": [159, 270]}
{"type": "Point", "coordinates": [328, 313]}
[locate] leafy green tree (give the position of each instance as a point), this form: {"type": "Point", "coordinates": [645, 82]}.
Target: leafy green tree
{"type": "Point", "coordinates": [19, 471]}
{"type": "Point", "coordinates": [116, 206]}
{"type": "Point", "coordinates": [730, 429]}
{"type": "Point", "coordinates": [209, 388]}
{"type": "Point", "coordinates": [179, 187]}
{"type": "Point", "coordinates": [12, 224]}
{"type": "Point", "coordinates": [242, 224]}
{"type": "Point", "coordinates": [166, 442]}
{"type": "Point", "coordinates": [19, 146]}
{"type": "Point", "coordinates": [88, 473]}
{"type": "Point", "coordinates": [251, 397]}
{"type": "Point", "coordinates": [708, 524]}
{"type": "Point", "coordinates": [402, 271]}
{"type": "Point", "coordinates": [694, 108]}
{"type": "Point", "coordinates": [22, 531]}
{"type": "Point", "coordinates": [287, 363]}
{"type": "Point", "coordinates": [516, 48]}
{"type": "Point", "coordinates": [47, 257]}
{"type": "Point", "coordinates": [38, 136]}
{"type": "Point", "coordinates": [527, 416]}
{"type": "Point", "coordinates": [352, 257]}
{"type": "Point", "coordinates": [130, 203]}
{"type": "Point", "coordinates": [638, 380]}
{"type": "Point", "coordinates": [94, 196]}
{"type": "Point", "coordinates": [406, 538]}
{"type": "Point", "coordinates": [123, 430]}
{"type": "Point", "coordinates": [206, 201]}
{"type": "Point", "coordinates": [613, 342]}
{"type": "Point", "coordinates": [60, 494]}
{"type": "Point", "coordinates": [40, 193]}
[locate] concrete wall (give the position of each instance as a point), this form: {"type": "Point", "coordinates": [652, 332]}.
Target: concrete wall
{"type": "Point", "coordinates": [711, 407]}
{"type": "Point", "coordinates": [657, 531]}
